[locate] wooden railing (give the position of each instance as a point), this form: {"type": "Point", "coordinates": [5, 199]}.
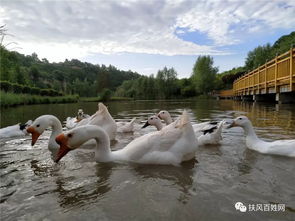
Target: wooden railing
{"type": "Point", "coordinates": [226, 93]}
{"type": "Point", "coordinates": [277, 75]}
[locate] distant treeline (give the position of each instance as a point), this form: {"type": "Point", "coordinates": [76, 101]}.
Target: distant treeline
{"type": "Point", "coordinates": [68, 77]}
{"type": "Point", "coordinates": [164, 85]}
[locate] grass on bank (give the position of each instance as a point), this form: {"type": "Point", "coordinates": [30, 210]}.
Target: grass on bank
{"type": "Point", "coordinates": [10, 99]}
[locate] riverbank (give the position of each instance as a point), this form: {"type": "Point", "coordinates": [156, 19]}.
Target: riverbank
{"type": "Point", "coordinates": [11, 99]}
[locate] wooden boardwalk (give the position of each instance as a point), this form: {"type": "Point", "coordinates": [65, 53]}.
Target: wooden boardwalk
{"type": "Point", "coordinates": [275, 76]}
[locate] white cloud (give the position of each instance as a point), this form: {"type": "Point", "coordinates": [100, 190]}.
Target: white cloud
{"type": "Point", "coordinates": [225, 21]}
{"type": "Point", "coordinates": [68, 29]}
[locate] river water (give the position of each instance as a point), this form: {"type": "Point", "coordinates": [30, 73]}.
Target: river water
{"type": "Point", "coordinates": [33, 187]}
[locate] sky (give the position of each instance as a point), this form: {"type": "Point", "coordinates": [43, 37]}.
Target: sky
{"type": "Point", "coordinates": [145, 36]}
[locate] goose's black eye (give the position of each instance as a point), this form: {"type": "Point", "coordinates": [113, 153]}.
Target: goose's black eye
{"type": "Point", "coordinates": [38, 125]}
{"type": "Point", "coordinates": [70, 135]}
{"type": "Point", "coordinates": [240, 118]}
{"type": "Point", "coordinates": [163, 112]}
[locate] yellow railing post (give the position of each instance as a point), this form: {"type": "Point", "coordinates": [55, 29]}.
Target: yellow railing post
{"type": "Point", "coordinates": [258, 81]}
{"type": "Point", "coordinates": [276, 73]}
{"type": "Point", "coordinates": [291, 69]}
{"type": "Point", "coordinates": [265, 79]}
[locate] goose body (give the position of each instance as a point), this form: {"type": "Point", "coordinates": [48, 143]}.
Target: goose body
{"type": "Point", "coordinates": [126, 127]}
{"type": "Point", "coordinates": [211, 135]}
{"type": "Point", "coordinates": [207, 132]}
{"type": "Point", "coordinates": [102, 118]}
{"type": "Point", "coordinates": [172, 145]}
{"type": "Point", "coordinates": [16, 130]}
{"type": "Point", "coordinates": [279, 147]}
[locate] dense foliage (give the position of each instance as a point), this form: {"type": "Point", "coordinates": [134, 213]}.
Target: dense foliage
{"type": "Point", "coordinates": [23, 89]}
{"type": "Point", "coordinates": [68, 77]}
{"type": "Point", "coordinates": [204, 74]}
{"type": "Point", "coordinates": [164, 86]}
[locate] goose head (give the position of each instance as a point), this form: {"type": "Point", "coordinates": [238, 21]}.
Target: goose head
{"type": "Point", "coordinates": [164, 115]}
{"type": "Point", "coordinates": [41, 124]}
{"type": "Point", "coordinates": [37, 128]}
{"type": "Point", "coordinates": [67, 142]}
{"type": "Point", "coordinates": [80, 115]}
{"type": "Point", "coordinates": [241, 121]}
{"type": "Point", "coordinates": [152, 120]}
{"type": "Point", "coordinates": [73, 139]}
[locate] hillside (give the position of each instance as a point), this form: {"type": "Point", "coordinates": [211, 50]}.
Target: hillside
{"type": "Point", "coordinates": [68, 77]}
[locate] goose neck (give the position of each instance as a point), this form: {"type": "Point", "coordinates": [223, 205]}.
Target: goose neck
{"type": "Point", "coordinates": [56, 130]}
{"type": "Point", "coordinates": [159, 126]}
{"type": "Point", "coordinates": [103, 151]}
{"type": "Point", "coordinates": [249, 131]}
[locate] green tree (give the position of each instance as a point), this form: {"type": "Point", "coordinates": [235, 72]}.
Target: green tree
{"type": "Point", "coordinates": [166, 82]}
{"type": "Point", "coordinates": [19, 76]}
{"type": "Point", "coordinates": [284, 43]}
{"type": "Point", "coordinates": [102, 81]}
{"type": "Point", "coordinates": [204, 74]}
{"type": "Point", "coordinates": [258, 56]}
{"type": "Point", "coordinates": [34, 74]}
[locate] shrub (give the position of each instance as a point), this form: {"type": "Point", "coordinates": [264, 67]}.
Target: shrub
{"type": "Point", "coordinates": [5, 86]}
{"type": "Point", "coordinates": [44, 92]}
{"type": "Point", "coordinates": [35, 90]}
{"type": "Point", "coordinates": [17, 88]}
{"type": "Point", "coordinates": [26, 90]}
{"type": "Point", "coordinates": [106, 95]}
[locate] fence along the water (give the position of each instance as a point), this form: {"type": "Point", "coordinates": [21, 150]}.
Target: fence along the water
{"type": "Point", "coordinates": [274, 76]}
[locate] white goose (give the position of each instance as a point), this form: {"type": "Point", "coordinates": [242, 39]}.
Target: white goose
{"type": "Point", "coordinates": [126, 127]}
{"type": "Point", "coordinates": [279, 147]}
{"type": "Point", "coordinates": [172, 145]}
{"type": "Point", "coordinates": [206, 132]}
{"type": "Point", "coordinates": [16, 130]}
{"type": "Point", "coordinates": [101, 118]}
{"type": "Point", "coordinates": [41, 124]}
{"type": "Point", "coordinates": [71, 122]}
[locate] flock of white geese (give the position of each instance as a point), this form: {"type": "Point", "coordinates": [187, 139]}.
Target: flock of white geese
{"type": "Point", "coordinates": [172, 143]}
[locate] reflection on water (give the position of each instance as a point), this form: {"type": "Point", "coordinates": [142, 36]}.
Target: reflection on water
{"type": "Point", "coordinates": [33, 187]}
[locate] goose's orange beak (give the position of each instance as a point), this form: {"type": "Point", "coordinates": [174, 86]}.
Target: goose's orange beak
{"type": "Point", "coordinates": [62, 140]}
{"type": "Point", "coordinates": [158, 115]}
{"type": "Point", "coordinates": [35, 134]}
